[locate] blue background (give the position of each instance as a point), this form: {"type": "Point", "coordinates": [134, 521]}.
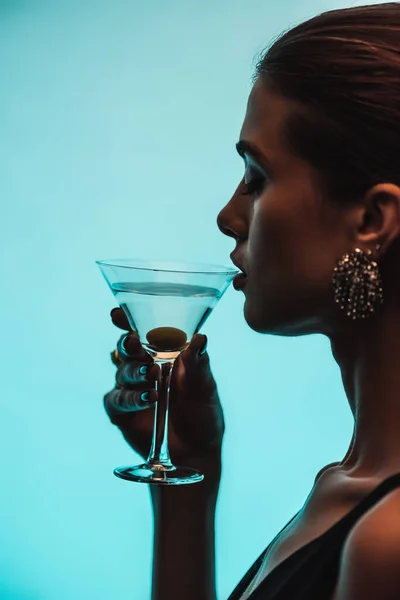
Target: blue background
{"type": "Point", "coordinates": [118, 121]}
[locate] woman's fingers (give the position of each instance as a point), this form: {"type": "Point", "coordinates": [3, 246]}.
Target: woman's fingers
{"type": "Point", "coordinates": [132, 374]}
{"type": "Point", "coordinates": [129, 348]}
{"type": "Point", "coordinates": [119, 319]}
{"type": "Point", "coordinates": [132, 381]}
{"type": "Point", "coordinates": [191, 356]}
{"type": "Point", "coordinates": [120, 402]}
{"type": "Point", "coordinates": [132, 378]}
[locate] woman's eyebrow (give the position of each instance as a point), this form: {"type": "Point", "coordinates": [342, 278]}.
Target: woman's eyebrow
{"type": "Point", "coordinates": [244, 147]}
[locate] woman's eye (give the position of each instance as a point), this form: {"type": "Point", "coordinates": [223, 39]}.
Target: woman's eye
{"type": "Point", "coordinates": [253, 186]}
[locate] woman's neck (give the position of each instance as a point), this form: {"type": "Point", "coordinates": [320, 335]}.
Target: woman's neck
{"type": "Point", "coordinates": [368, 355]}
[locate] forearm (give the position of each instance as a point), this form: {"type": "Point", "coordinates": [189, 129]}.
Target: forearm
{"type": "Point", "coordinates": [184, 543]}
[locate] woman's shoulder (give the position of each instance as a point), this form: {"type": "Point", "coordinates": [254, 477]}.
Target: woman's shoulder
{"type": "Point", "coordinates": [324, 469]}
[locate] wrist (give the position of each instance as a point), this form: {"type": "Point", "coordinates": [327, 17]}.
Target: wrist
{"type": "Point", "coordinates": [195, 495]}
{"type": "Point", "coordinates": [200, 496]}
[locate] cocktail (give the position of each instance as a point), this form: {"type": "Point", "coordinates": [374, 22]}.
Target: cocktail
{"type": "Point", "coordinates": [166, 303]}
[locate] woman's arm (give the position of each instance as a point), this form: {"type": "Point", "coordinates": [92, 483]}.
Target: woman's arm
{"type": "Point", "coordinates": [184, 543]}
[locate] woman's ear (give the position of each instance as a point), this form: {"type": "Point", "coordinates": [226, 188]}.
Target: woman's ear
{"type": "Point", "coordinates": [379, 221]}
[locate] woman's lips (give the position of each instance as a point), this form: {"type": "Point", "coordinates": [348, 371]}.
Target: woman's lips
{"type": "Point", "coordinates": [239, 281]}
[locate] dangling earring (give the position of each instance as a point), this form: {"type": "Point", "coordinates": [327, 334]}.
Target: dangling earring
{"type": "Point", "coordinates": [357, 284]}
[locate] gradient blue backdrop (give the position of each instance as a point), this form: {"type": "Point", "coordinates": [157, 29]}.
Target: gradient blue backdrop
{"type": "Point", "coordinates": [118, 121]}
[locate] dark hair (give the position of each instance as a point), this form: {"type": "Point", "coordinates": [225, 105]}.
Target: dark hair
{"type": "Point", "coordinates": [342, 67]}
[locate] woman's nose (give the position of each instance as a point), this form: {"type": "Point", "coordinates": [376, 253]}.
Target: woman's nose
{"type": "Point", "coordinates": [223, 226]}
{"type": "Point", "coordinates": [233, 219]}
{"type": "Point", "coordinates": [230, 225]}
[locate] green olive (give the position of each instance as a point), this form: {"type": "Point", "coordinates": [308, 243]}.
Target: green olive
{"type": "Point", "coordinates": [166, 339]}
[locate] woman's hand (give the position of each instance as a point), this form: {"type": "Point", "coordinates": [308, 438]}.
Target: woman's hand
{"type": "Point", "coordinates": [196, 421]}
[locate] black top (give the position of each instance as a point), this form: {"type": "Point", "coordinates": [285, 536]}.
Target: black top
{"type": "Point", "coordinates": [311, 572]}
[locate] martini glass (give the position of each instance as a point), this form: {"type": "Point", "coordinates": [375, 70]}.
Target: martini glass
{"type": "Point", "coordinates": [166, 303]}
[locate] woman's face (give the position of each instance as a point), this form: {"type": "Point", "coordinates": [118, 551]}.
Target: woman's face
{"type": "Point", "coordinates": [289, 238]}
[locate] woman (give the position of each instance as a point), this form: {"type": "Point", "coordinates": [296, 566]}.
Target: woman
{"type": "Point", "coordinates": [316, 220]}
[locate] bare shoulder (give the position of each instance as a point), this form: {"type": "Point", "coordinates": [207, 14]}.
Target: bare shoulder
{"type": "Point", "coordinates": [379, 523]}
{"type": "Point", "coordinates": [370, 559]}
{"type": "Point", "coordinates": [325, 468]}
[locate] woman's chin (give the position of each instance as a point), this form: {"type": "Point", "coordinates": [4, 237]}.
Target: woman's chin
{"type": "Point", "coordinates": [274, 320]}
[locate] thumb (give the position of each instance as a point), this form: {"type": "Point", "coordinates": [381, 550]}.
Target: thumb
{"type": "Point", "coordinates": [195, 359]}
{"type": "Point", "coordinates": [193, 378]}
{"type": "Point", "coordinates": [190, 361]}
{"type": "Point", "coordinates": [197, 347]}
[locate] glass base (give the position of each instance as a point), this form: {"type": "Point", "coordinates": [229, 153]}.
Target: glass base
{"type": "Point", "coordinates": [159, 476]}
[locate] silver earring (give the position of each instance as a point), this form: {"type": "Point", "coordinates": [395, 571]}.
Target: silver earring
{"type": "Point", "coordinates": [357, 284]}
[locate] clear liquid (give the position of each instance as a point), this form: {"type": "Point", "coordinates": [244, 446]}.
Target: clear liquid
{"type": "Point", "coordinates": [165, 315]}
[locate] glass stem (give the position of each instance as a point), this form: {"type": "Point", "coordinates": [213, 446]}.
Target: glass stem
{"type": "Point", "coordinates": [159, 458]}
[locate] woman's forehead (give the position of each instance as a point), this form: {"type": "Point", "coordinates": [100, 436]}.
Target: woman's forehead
{"type": "Point", "coordinates": [265, 115]}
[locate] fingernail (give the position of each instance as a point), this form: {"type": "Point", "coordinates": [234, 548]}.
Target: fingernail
{"type": "Point", "coordinates": [143, 370]}
{"type": "Point", "coordinates": [204, 350]}
{"type": "Point", "coordinates": [145, 396]}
